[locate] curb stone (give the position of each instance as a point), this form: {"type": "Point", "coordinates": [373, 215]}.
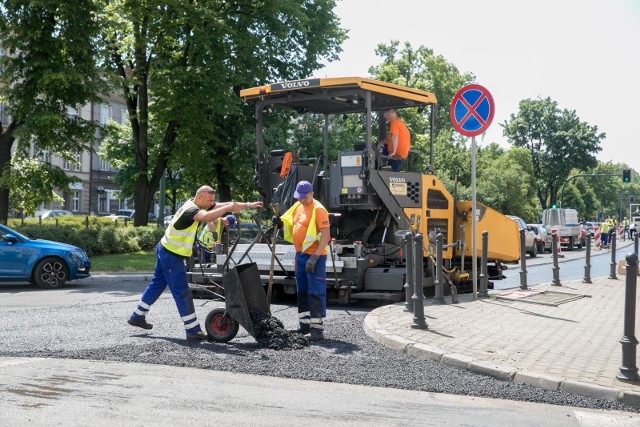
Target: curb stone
{"type": "Point", "coordinates": [503, 373]}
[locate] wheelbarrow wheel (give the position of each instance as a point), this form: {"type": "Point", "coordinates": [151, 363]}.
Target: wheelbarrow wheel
{"type": "Point", "coordinates": [220, 326]}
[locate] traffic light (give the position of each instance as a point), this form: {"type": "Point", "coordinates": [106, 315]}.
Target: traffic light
{"type": "Point", "coordinates": [626, 175]}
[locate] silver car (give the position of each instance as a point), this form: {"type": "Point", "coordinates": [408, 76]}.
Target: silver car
{"type": "Point", "coordinates": [529, 237]}
{"type": "Point", "coordinates": [543, 237]}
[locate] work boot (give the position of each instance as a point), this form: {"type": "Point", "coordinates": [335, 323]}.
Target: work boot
{"type": "Point", "coordinates": [197, 336]}
{"type": "Point", "coordinates": [314, 336]}
{"type": "Point", "coordinates": [140, 323]}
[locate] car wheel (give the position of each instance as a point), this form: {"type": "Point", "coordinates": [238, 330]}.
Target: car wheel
{"type": "Point", "coordinates": [534, 251]}
{"type": "Point", "coordinates": [540, 247]}
{"type": "Point", "coordinates": [50, 273]}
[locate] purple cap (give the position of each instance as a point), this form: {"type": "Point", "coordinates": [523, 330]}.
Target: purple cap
{"type": "Point", "coordinates": [302, 189]}
{"type": "Point", "coordinates": [231, 220]}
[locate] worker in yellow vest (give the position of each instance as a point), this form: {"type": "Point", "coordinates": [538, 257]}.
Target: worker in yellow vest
{"type": "Point", "coordinates": [173, 250]}
{"type": "Point", "coordinates": [211, 234]}
{"type": "Point", "coordinates": [625, 228]}
{"type": "Point", "coordinates": [613, 230]}
{"type": "Point", "coordinates": [306, 225]}
{"type": "Point", "coordinates": [605, 228]}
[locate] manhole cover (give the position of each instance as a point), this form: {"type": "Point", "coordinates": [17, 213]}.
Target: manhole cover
{"type": "Point", "coordinates": [553, 298]}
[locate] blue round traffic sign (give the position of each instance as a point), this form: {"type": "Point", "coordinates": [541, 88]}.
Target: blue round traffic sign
{"type": "Point", "coordinates": [472, 110]}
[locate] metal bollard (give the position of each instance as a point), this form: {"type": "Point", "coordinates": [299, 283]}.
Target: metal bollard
{"type": "Point", "coordinates": [629, 370]}
{"type": "Point", "coordinates": [635, 242]}
{"type": "Point", "coordinates": [523, 262]}
{"type": "Point", "coordinates": [484, 271]}
{"type": "Point", "coordinates": [612, 265]}
{"type": "Point", "coordinates": [555, 268]}
{"type": "Point", "coordinates": [418, 294]}
{"type": "Point", "coordinates": [438, 297]}
{"type": "Point", "coordinates": [587, 262]}
{"type": "Point", "coordinates": [410, 284]}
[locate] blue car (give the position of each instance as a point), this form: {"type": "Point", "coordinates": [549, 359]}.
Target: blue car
{"type": "Point", "coordinates": [42, 262]}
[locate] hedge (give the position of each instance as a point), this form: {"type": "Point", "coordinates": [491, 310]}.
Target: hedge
{"type": "Point", "coordinates": [97, 236]}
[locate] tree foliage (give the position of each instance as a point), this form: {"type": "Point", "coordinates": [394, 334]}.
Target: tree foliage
{"type": "Point", "coordinates": [48, 65]}
{"type": "Point", "coordinates": [557, 140]}
{"type": "Point", "coordinates": [32, 182]}
{"type": "Point", "coordinates": [181, 65]}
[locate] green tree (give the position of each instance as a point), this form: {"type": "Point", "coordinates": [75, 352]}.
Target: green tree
{"type": "Point", "coordinates": [32, 182]}
{"type": "Point", "coordinates": [48, 66]}
{"type": "Point", "coordinates": [180, 67]}
{"type": "Point", "coordinates": [557, 140]}
{"type": "Point", "coordinates": [505, 183]}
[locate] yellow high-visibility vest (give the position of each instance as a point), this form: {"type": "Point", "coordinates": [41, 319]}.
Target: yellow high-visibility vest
{"type": "Point", "coordinates": [207, 238]}
{"type": "Point", "coordinates": [180, 242]}
{"type": "Point", "coordinates": [312, 235]}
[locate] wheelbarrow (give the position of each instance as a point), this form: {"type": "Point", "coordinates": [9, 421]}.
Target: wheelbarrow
{"type": "Point", "coordinates": [243, 292]}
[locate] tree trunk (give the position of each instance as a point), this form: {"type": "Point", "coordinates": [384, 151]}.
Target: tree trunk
{"type": "Point", "coordinates": [6, 141]}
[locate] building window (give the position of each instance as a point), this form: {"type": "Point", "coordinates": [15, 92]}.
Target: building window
{"type": "Point", "coordinates": [125, 203]}
{"type": "Point", "coordinates": [66, 165]}
{"type": "Point", "coordinates": [46, 157]}
{"type": "Point", "coordinates": [78, 164]}
{"type": "Point", "coordinates": [75, 202]}
{"type": "Point", "coordinates": [72, 112]}
{"type": "Point", "coordinates": [124, 116]}
{"type": "Point", "coordinates": [105, 114]}
{"type": "Point", "coordinates": [104, 164]}
{"type": "Point", "coordinates": [102, 200]}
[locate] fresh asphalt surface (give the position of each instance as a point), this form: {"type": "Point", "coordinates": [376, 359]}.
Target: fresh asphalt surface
{"type": "Point", "coordinates": [87, 320]}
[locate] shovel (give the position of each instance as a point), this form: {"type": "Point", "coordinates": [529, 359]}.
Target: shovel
{"type": "Point", "coordinates": [276, 212]}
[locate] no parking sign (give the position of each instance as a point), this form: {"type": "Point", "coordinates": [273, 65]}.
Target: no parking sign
{"type": "Point", "coordinates": [471, 114]}
{"type": "Point", "coordinates": [472, 110]}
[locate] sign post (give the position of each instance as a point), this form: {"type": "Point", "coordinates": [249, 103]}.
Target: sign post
{"type": "Point", "coordinates": [471, 114]}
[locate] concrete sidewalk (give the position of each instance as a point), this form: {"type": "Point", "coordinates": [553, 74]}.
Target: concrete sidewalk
{"type": "Point", "coordinates": [573, 346]}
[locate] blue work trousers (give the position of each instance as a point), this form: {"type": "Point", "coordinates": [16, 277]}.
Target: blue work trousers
{"type": "Point", "coordinates": [171, 271]}
{"type": "Point", "coordinates": [395, 164]}
{"type": "Point", "coordinates": [312, 293]}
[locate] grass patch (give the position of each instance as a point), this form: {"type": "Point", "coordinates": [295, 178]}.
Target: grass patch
{"type": "Point", "coordinates": [133, 261]}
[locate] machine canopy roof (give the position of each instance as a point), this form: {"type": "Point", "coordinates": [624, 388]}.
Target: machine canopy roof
{"type": "Point", "coordinates": [340, 95]}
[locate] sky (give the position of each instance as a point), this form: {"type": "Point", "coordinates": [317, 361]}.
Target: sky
{"type": "Point", "coordinates": [583, 54]}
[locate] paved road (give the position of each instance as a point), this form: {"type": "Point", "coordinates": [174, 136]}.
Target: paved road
{"type": "Point", "coordinates": [84, 325]}
{"type": "Point", "coordinates": [571, 266]}
{"type": "Point", "coordinates": [45, 392]}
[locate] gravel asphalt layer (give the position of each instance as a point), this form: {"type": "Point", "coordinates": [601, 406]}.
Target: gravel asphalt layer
{"type": "Point", "coordinates": [98, 330]}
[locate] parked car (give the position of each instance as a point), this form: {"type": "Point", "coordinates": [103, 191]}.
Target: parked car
{"type": "Point", "coordinates": [44, 263]}
{"type": "Point", "coordinates": [591, 227]}
{"type": "Point", "coordinates": [167, 219]}
{"type": "Point", "coordinates": [128, 214]}
{"type": "Point", "coordinates": [543, 238]}
{"type": "Point", "coordinates": [529, 237]}
{"type": "Point", "coordinates": [122, 214]}
{"type": "Point", "coordinates": [51, 213]}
